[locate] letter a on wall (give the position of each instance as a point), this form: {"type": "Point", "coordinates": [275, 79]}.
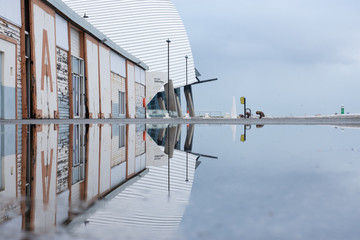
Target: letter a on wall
{"type": "Point", "coordinates": [46, 67]}
{"type": "Point", "coordinates": [44, 55]}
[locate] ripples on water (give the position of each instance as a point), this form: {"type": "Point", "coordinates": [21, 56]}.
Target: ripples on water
{"type": "Point", "coordinates": [179, 182]}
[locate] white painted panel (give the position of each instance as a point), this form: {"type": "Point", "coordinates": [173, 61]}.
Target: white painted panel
{"type": "Point", "coordinates": [131, 149]}
{"type": "Point", "coordinates": [44, 182]}
{"type": "Point", "coordinates": [105, 81]}
{"type": "Point", "coordinates": [76, 194]}
{"type": "Point", "coordinates": [44, 28]}
{"type": "Point", "coordinates": [9, 177]}
{"type": "Point", "coordinates": [62, 38]}
{"type": "Point", "coordinates": [137, 164]}
{"type": "Point", "coordinates": [11, 10]}
{"type": "Point", "coordinates": [142, 77]}
{"type": "Point", "coordinates": [105, 158]}
{"type": "Point", "coordinates": [131, 90]}
{"type": "Point", "coordinates": [9, 55]}
{"type": "Point", "coordinates": [154, 82]}
{"type": "Point", "coordinates": [137, 74]}
{"type": "Point", "coordinates": [118, 64]}
{"type": "Point", "coordinates": [75, 42]}
{"type": "Point", "coordinates": [93, 77]}
{"type": "Point", "coordinates": [62, 202]}
{"type": "Point", "coordinates": [118, 174]}
{"type": "Point", "coordinates": [143, 161]}
{"type": "Point", "coordinates": [92, 177]}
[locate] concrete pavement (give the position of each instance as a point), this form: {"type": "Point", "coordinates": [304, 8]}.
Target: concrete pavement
{"type": "Point", "coordinates": [303, 120]}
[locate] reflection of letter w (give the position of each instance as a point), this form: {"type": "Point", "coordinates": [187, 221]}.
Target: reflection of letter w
{"type": "Point", "coordinates": [45, 64]}
{"type": "Point", "coordinates": [46, 176]}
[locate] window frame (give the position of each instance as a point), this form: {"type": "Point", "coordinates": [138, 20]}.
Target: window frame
{"type": "Point", "coordinates": [122, 103]}
{"type": "Point", "coordinates": [79, 77]}
{"type": "Point", "coordinates": [122, 136]}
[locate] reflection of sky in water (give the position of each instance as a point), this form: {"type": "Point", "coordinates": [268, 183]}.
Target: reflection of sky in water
{"type": "Point", "coordinates": [284, 182]}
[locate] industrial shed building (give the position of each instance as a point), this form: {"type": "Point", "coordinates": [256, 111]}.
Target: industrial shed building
{"type": "Point", "coordinates": [55, 64]}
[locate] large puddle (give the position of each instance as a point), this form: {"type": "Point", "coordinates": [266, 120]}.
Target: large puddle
{"type": "Point", "coordinates": [179, 182]}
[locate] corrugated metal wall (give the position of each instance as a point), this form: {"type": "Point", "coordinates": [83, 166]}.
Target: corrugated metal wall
{"type": "Point", "coordinates": [63, 158]}
{"type": "Point", "coordinates": [141, 28]}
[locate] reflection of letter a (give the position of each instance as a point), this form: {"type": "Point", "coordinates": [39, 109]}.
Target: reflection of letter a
{"type": "Point", "coordinates": [46, 176]}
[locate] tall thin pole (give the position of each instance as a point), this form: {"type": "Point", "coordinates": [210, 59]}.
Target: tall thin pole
{"type": "Point", "coordinates": [186, 57]}
{"type": "Point", "coordinates": [168, 87]}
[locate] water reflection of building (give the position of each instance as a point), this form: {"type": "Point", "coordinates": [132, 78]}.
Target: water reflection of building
{"type": "Point", "coordinates": [63, 170]}
{"type": "Point", "coordinates": [156, 202]}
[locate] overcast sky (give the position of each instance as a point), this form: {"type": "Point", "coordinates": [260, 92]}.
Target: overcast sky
{"type": "Point", "coordinates": [288, 57]}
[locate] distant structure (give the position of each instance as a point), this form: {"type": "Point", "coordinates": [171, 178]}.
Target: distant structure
{"type": "Point", "coordinates": [233, 109]}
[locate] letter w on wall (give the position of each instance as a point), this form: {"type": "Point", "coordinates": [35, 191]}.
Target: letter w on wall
{"type": "Point", "coordinates": [46, 68]}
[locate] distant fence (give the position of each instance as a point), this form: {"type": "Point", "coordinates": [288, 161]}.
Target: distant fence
{"type": "Point", "coordinates": [211, 113]}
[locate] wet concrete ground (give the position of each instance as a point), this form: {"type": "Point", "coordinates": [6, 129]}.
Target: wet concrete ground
{"type": "Point", "coordinates": [351, 120]}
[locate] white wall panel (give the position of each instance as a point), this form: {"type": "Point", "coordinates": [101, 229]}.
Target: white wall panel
{"type": "Point", "coordinates": [44, 184]}
{"type": "Point", "coordinates": [62, 39]}
{"type": "Point", "coordinates": [45, 57]}
{"type": "Point", "coordinates": [105, 81]}
{"type": "Point", "coordinates": [92, 62]}
{"type": "Point", "coordinates": [92, 166]}
{"type": "Point", "coordinates": [131, 151]}
{"type": "Point", "coordinates": [105, 158]}
{"type": "Point", "coordinates": [75, 42]}
{"type": "Point", "coordinates": [131, 90]}
{"type": "Point", "coordinates": [118, 64]}
{"type": "Point", "coordinates": [11, 10]}
{"type": "Point", "coordinates": [142, 28]}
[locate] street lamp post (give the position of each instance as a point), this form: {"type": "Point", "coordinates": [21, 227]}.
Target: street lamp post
{"type": "Point", "coordinates": [168, 87]}
{"type": "Point", "coordinates": [186, 57]}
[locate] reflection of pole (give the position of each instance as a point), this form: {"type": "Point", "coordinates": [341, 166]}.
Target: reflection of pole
{"type": "Point", "coordinates": [168, 87]}
{"type": "Point", "coordinates": [168, 133]}
{"type": "Point", "coordinates": [187, 170]}
{"type": "Point", "coordinates": [243, 136]}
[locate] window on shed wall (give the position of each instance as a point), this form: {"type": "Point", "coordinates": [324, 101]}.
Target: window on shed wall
{"type": "Point", "coordinates": [78, 166]}
{"type": "Point", "coordinates": [122, 103]}
{"type": "Point", "coordinates": [77, 67]}
{"type": "Point", "coordinates": [122, 136]}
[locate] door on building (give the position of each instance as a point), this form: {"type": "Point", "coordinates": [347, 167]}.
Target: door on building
{"type": "Point", "coordinates": [7, 80]}
{"type": "Point", "coordinates": [78, 83]}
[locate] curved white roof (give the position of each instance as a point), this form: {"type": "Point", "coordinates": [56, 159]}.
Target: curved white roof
{"type": "Point", "coordinates": [142, 27]}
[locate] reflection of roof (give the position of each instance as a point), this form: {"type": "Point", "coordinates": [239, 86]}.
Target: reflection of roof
{"type": "Point", "coordinates": [142, 28]}
{"type": "Point", "coordinates": [147, 204]}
